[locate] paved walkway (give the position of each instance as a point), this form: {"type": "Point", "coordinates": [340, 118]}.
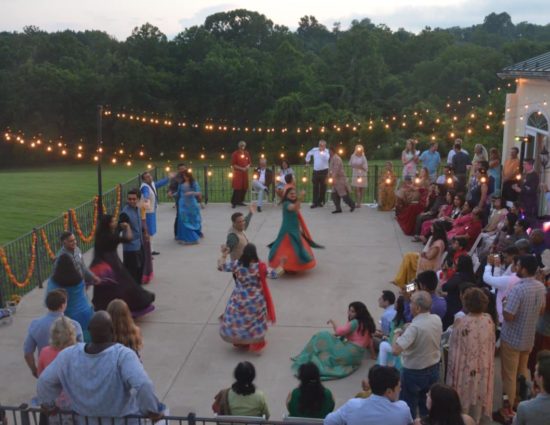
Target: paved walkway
{"type": "Point", "coordinates": [183, 352]}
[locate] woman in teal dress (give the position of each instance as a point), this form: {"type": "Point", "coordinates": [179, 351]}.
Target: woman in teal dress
{"type": "Point", "coordinates": [311, 399]}
{"type": "Point", "coordinates": [294, 241]}
{"type": "Point", "coordinates": [67, 277]}
{"type": "Point", "coordinates": [339, 354]}
{"type": "Point", "coordinates": [189, 227]}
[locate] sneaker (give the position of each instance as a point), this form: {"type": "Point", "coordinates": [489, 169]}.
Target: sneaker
{"type": "Point", "coordinates": [313, 206]}
{"type": "Point", "coordinates": [336, 212]}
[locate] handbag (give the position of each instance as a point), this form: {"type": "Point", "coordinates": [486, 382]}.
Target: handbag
{"type": "Point", "coordinates": [221, 403]}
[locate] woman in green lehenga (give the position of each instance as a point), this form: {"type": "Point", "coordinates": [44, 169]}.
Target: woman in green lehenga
{"type": "Point", "coordinates": [340, 354]}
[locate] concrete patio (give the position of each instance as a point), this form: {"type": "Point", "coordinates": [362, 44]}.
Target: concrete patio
{"type": "Point", "coordinates": [183, 353]}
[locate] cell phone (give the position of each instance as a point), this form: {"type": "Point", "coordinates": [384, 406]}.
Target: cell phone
{"type": "Point", "coordinates": [410, 287]}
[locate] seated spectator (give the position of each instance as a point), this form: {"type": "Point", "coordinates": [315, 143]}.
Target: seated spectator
{"type": "Point", "coordinates": [39, 330]}
{"type": "Point", "coordinates": [523, 246]}
{"type": "Point", "coordinates": [445, 210]}
{"type": "Point", "coordinates": [464, 273]}
{"type": "Point", "coordinates": [386, 188]}
{"type": "Point", "coordinates": [408, 213]}
{"type": "Point", "coordinates": [385, 355]}
{"type": "Point", "coordinates": [414, 263]}
{"type": "Point", "coordinates": [447, 178]}
{"type": "Point", "coordinates": [538, 245]}
{"type": "Point", "coordinates": [444, 408]}
{"type": "Point", "coordinates": [286, 170]}
{"type": "Point", "coordinates": [386, 301]}
{"type": "Point", "coordinates": [469, 227]}
{"type": "Point", "coordinates": [420, 348]}
{"type": "Point", "coordinates": [501, 276]}
{"type": "Point", "coordinates": [288, 183]}
{"type": "Point", "coordinates": [242, 399]}
{"type": "Point", "coordinates": [437, 202]}
{"type": "Point", "coordinates": [103, 379]}
{"type": "Point", "coordinates": [426, 281]}
{"type": "Point", "coordinates": [520, 229]}
{"type": "Point", "coordinates": [458, 248]}
{"type": "Point", "coordinates": [67, 277]}
{"type": "Point", "coordinates": [470, 368]}
{"type": "Point", "coordinates": [406, 194]}
{"type": "Point", "coordinates": [125, 330]}
{"type": "Point", "coordinates": [262, 181]}
{"type": "Point", "coordinates": [311, 399]}
{"type": "Point", "coordinates": [494, 224]}
{"type": "Point", "coordinates": [505, 236]}
{"type": "Point", "coordinates": [382, 407]}
{"type": "Point", "coordinates": [340, 353]}
{"type": "Point", "coordinates": [537, 410]}
{"type": "Point", "coordinates": [448, 216]}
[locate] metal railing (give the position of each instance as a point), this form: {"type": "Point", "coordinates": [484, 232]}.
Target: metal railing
{"type": "Point", "coordinates": [29, 258]}
{"type": "Point", "coordinates": [25, 415]}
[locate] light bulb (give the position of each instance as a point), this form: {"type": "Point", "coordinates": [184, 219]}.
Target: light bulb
{"type": "Point", "coordinates": [230, 175]}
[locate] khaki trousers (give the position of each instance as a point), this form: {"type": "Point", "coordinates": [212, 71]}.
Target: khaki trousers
{"type": "Point", "coordinates": [513, 363]}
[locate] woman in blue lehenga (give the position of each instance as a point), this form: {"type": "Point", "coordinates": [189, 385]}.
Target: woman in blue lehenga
{"type": "Point", "coordinates": [189, 228]}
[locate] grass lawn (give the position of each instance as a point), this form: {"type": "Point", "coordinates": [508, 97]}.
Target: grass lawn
{"type": "Point", "coordinates": [34, 196]}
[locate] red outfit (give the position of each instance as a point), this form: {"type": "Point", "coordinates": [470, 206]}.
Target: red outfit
{"type": "Point", "coordinates": [407, 216]}
{"type": "Point", "coordinates": [466, 226]}
{"type": "Point", "coordinates": [240, 178]}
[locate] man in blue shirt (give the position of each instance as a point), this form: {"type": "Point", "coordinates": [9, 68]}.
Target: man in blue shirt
{"type": "Point", "coordinates": [382, 407]}
{"type": "Point", "coordinates": [427, 281]}
{"type": "Point", "coordinates": [38, 335]}
{"type": "Point", "coordinates": [430, 159]}
{"type": "Point", "coordinates": [132, 252]}
{"type": "Point", "coordinates": [387, 301]}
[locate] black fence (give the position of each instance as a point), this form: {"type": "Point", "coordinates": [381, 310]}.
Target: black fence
{"type": "Point", "coordinates": [24, 415]}
{"type": "Point", "coordinates": [26, 262]}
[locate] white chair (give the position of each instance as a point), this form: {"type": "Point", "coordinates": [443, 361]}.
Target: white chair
{"type": "Point", "coordinates": [476, 243]}
{"type": "Point", "coordinates": [296, 420]}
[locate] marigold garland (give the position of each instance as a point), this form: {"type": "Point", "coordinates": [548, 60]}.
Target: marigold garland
{"type": "Point", "coordinates": [66, 221]}
{"type": "Point", "coordinates": [30, 270]}
{"type": "Point", "coordinates": [49, 249]}
{"type": "Point", "coordinates": [90, 237]}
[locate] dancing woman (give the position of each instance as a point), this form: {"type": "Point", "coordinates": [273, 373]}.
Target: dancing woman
{"type": "Point", "coordinates": [189, 227]}
{"type": "Point", "coordinates": [250, 306]}
{"type": "Point", "coordinates": [294, 241]}
{"type": "Point", "coordinates": [340, 353]}
{"type": "Point", "coordinates": [116, 281]}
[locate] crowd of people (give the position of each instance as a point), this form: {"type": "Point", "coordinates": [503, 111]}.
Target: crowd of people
{"type": "Point", "coordinates": [476, 287]}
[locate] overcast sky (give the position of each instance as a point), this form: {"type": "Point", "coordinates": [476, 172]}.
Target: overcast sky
{"type": "Point", "coordinates": [119, 17]}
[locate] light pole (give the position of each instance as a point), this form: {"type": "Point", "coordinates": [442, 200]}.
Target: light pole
{"type": "Point", "coordinates": [99, 156]}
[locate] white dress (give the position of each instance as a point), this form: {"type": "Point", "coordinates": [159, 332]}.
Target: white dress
{"type": "Point", "coordinates": [359, 168]}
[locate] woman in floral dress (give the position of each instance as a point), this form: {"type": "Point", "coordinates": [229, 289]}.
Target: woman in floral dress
{"type": "Point", "coordinates": [470, 370]}
{"type": "Point", "coordinates": [250, 307]}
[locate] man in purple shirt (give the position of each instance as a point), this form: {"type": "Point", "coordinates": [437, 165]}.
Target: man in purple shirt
{"type": "Point", "coordinates": [426, 281]}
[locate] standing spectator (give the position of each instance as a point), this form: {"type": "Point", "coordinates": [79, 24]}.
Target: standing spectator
{"type": "Point", "coordinates": [525, 302]}
{"type": "Point", "coordinates": [125, 331]}
{"type": "Point", "coordinates": [263, 180]}
{"type": "Point", "coordinates": [340, 185]}
{"type": "Point", "coordinates": [537, 410]}
{"type": "Point", "coordinates": [542, 334]}
{"type": "Point", "coordinates": [321, 157]}
{"type": "Point", "coordinates": [173, 190]}
{"type": "Point", "coordinates": [236, 238]}
{"type": "Point", "coordinates": [132, 250]}
{"type": "Point", "coordinates": [409, 158]}
{"type": "Point", "coordinates": [510, 171]}
{"type": "Point", "coordinates": [242, 399]}
{"type": "Point", "coordinates": [382, 407]}
{"type": "Point", "coordinates": [311, 399]}
{"type": "Point", "coordinates": [419, 347]}
{"type": "Point", "coordinates": [444, 408]}
{"type": "Point", "coordinates": [464, 273]}
{"type": "Point", "coordinates": [494, 169]}
{"type": "Point", "coordinates": [69, 247]}
{"type": "Point", "coordinates": [38, 335]}
{"type": "Point", "coordinates": [460, 162]}
{"type": "Point", "coordinates": [453, 151]}
{"type": "Point", "coordinates": [103, 379]}
{"type": "Point", "coordinates": [360, 168]}
{"type": "Point", "coordinates": [149, 201]}
{"type": "Point", "coordinates": [387, 301]}
{"type": "Point", "coordinates": [430, 159]}
{"type": "Point", "coordinates": [240, 162]}
{"type": "Point", "coordinates": [470, 369]}
{"type": "Point", "coordinates": [528, 190]}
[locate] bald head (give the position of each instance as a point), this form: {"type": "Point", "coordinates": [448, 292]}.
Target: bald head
{"type": "Point", "coordinates": [101, 327]}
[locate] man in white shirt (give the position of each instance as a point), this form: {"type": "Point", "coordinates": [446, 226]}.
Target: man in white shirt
{"type": "Point", "coordinates": [419, 347]}
{"type": "Point", "coordinates": [321, 158]}
{"type": "Point", "coordinates": [382, 407]}
{"type": "Point", "coordinates": [263, 179]}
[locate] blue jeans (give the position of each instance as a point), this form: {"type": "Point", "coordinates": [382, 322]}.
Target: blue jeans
{"type": "Point", "coordinates": [415, 384]}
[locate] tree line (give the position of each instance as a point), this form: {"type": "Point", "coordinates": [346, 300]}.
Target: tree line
{"type": "Point", "coordinates": [242, 69]}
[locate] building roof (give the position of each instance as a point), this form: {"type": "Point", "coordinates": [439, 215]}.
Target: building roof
{"type": "Point", "coordinates": [537, 67]}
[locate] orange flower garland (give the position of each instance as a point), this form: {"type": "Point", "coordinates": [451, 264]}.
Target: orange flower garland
{"type": "Point", "coordinates": [66, 221]}
{"type": "Point", "coordinates": [118, 200]}
{"type": "Point", "coordinates": [49, 249]}
{"type": "Point", "coordinates": [30, 270]}
{"type": "Point", "coordinates": [90, 237]}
